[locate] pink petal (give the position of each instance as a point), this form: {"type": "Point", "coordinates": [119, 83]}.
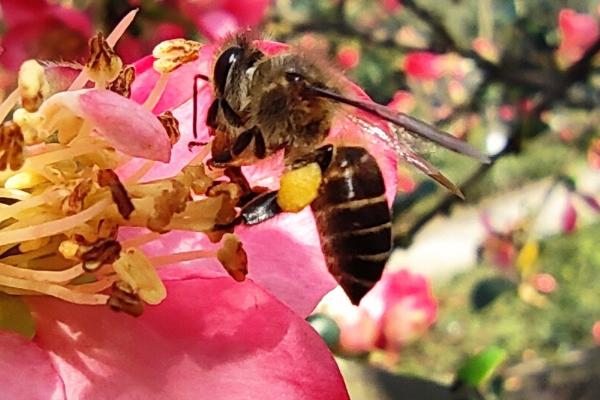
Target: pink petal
{"type": "Point", "coordinates": [422, 65]}
{"type": "Point", "coordinates": [211, 338]}
{"type": "Point", "coordinates": [130, 48]}
{"type": "Point", "coordinates": [248, 12]}
{"type": "Point", "coordinates": [180, 83]}
{"type": "Point", "coordinates": [569, 217]}
{"type": "Point", "coordinates": [578, 32]}
{"type": "Point", "coordinates": [15, 12]}
{"type": "Point", "coordinates": [123, 123]}
{"type": "Point", "coordinates": [27, 372]}
{"type": "Point", "coordinates": [216, 24]}
{"type": "Point", "coordinates": [293, 270]}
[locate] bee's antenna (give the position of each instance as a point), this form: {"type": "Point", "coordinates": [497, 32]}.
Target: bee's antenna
{"type": "Point", "coordinates": [195, 102]}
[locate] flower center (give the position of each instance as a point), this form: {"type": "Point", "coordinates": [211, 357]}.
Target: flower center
{"type": "Point", "coordinates": [62, 204]}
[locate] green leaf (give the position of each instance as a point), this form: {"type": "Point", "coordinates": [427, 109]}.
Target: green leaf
{"type": "Point", "coordinates": [479, 368]}
{"type": "Point", "coordinates": [15, 316]}
{"type": "Point", "coordinates": [327, 328]}
{"type": "Point", "coordinates": [488, 290]}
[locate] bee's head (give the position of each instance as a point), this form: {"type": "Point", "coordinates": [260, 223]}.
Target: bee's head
{"type": "Point", "coordinates": [224, 64]}
{"type": "Point", "coordinates": [239, 58]}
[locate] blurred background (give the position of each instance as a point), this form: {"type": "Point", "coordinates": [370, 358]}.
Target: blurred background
{"type": "Point", "coordinates": [493, 297]}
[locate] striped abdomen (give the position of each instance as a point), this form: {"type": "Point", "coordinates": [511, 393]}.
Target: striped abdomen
{"type": "Point", "coordinates": [354, 220]}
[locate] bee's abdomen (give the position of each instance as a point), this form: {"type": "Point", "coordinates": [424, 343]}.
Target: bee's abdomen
{"type": "Point", "coordinates": [354, 221]}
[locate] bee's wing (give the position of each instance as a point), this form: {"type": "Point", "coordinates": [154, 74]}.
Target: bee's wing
{"type": "Point", "coordinates": [395, 138]}
{"type": "Point", "coordinates": [411, 125]}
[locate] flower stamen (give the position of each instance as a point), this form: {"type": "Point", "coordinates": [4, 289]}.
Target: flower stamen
{"type": "Point", "coordinates": [111, 40]}
{"type": "Point", "coordinates": [54, 227]}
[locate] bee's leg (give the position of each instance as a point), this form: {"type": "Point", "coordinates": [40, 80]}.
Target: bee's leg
{"type": "Point", "coordinates": [211, 114]}
{"type": "Point", "coordinates": [230, 115]}
{"type": "Point", "coordinates": [263, 206]}
{"type": "Point", "coordinates": [195, 102]}
{"type": "Point", "coordinates": [260, 209]}
{"type": "Point", "coordinates": [236, 176]}
{"type": "Point", "coordinates": [321, 156]}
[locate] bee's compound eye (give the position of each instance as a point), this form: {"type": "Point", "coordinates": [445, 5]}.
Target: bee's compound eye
{"type": "Point", "coordinates": [293, 77]}
{"type": "Point", "coordinates": [223, 65]}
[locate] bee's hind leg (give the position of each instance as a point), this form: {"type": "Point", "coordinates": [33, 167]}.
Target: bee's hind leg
{"type": "Point", "coordinates": [260, 204]}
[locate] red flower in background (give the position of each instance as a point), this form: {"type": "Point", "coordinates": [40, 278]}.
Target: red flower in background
{"type": "Point", "coordinates": [569, 216]}
{"type": "Point", "coordinates": [348, 56]}
{"type": "Point", "coordinates": [578, 32]}
{"type": "Point", "coordinates": [217, 18]}
{"type": "Point", "coordinates": [398, 310]}
{"type": "Point", "coordinates": [423, 65]}
{"type": "Point", "coordinates": [391, 5]}
{"type": "Point", "coordinates": [42, 30]}
{"type": "Point", "coordinates": [404, 306]}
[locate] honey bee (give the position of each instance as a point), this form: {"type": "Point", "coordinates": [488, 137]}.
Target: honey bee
{"type": "Point", "coordinates": [266, 103]}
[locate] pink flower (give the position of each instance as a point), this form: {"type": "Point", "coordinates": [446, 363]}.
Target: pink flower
{"type": "Point", "coordinates": [500, 248]}
{"type": "Point", "coordinates": [398, 310]}
{"type": "Point", "coordinates": [578, 32]}
{"type": "Point", "coordinates": [403, 102]}
{"type": "Point", "coordinates": [210, 335]}
{"type": "Point", "coordinates": [596, 332]}
{"type": "Point", "coordinates": [348, 56]}
{"type": "Point", "coordinates": [217, 18]}
{"type": "Point", "coordinates": [391, 5]}
{"type": "Point", "coordinates": [544, 282]}
{"type": "Point", "coordinates": [423, 65]}
{"type": "Point", "coordinates": [569, 217]}
{"type": "Point", "coordinates": [43, 30]}
{"type": "Point", "coordinates": [404, 306]}
{"type": "Point", "coordinates": [132, 48]}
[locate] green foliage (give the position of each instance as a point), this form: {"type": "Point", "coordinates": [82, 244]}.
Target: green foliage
{"type": "Point", "coordinates": [564, 324]}
{"type": "Point", "coordinates": [327, 328]}
{"type": "Point", "coordinates": [478, 369]}
{"type": "Point", "coordinates": [489, 290]}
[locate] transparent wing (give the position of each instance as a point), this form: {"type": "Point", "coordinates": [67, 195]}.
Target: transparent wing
{"type": "Point", "coordinates": [406, 145]}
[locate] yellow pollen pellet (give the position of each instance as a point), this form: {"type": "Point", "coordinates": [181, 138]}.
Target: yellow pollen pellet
{"type": "Point", "coordinates": [299, 187]}
{"type": "Point", "coordinates": [24, 180]}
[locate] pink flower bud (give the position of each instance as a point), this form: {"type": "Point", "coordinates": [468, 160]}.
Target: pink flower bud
{"type": "Point", "coordinates": [422, 65]}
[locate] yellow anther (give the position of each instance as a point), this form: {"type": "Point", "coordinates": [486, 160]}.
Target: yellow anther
{"type": "Point", "coordinates": [135, 269]}
{"type": "Point", "coordinates": [31, 124]}
{"type": "Point", "coordinates": [171, 126]}
{"type": "Point", "coordinates": [299, 187]}
{"type": "Point", "coordinates": [104, 65]}
{"type": "Point", "coordinates": [33, 85]}
{"type": "Point", "coordinates": [122, 83]}
{"type": "Point", "coordinates": [233, 257]}
{"type": "Point", "coordinates": [172, 54]}
{"type": "Point", "coordinates": [11, 146]}
{"type": "Point", "coordinates": [24, 180]}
